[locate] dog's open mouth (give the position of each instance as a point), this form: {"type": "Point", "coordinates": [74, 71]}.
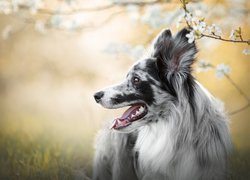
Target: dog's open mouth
{"type": "Point", "coordinates": [134, 113]}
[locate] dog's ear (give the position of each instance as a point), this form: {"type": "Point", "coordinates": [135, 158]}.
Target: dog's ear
{"type": "Point", "coordinates": [163, 40]}
{"type": "Point", "coordinates": [174, 57]}
{"type": "Point", "coordinates": [183, 53]}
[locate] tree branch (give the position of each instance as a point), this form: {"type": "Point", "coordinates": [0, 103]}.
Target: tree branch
{"type": "Point", "coordinates": [240, 109]}
{"type": "Point", "coordinates": [237, 87]}
{"type": "Point", "coordinates": [241, 93]}
{"type": "Point", "coordinates": [213, 35]}
{"type": "Point", "coordinates": [48, 25]}
{"type": "Point", "coordinates": [98, 8]}
{"type": "Point", "coordinates": [226, 40]}
{"type": "Point", "coordinates": [52, 12]}
{"type": "Point", "coordinates": [104, 22]}
{"type": "Point", "coordinates": [244, 95]}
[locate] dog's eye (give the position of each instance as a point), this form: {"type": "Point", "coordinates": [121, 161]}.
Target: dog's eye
{"type": "Point", "coordinates": [135, 80]}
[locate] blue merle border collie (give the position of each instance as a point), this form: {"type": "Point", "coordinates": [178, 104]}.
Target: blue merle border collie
{"type": "Point", "coordinates": [173, 130]}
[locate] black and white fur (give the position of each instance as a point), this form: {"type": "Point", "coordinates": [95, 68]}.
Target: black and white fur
{"type": "Point", "coordinates": [184, 135]}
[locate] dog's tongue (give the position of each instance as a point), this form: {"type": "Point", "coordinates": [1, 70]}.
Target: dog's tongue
{"type": "Point", "coordinates": [124, 120]}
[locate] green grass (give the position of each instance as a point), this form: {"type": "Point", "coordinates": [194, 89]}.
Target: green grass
{"type": "Point", "coordinates": [23, 157]}
{"type": "Point", "coordinates": [30, 149]}
{"type": "Point", "coordinates": [40, 153]}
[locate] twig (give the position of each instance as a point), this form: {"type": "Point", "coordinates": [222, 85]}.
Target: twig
{"type": "Point", "coordinates": [98, 8]}
{"type": "Point", "coordinates": [223, 39]}
{"type": "Point", "coordinates": [104, 22]}
{"type": "Point", "coordinates": [184, 6]}
{"type": "Point", "coordinates": [239, 110]}
{"type": "Point", "coordinates": [138, 3]}
{"type": "Point", "coordinates": [69, 12]}
{"type": "Point", "coordinates": [239, 90]}
{"type": "Point", "coordinates": [241, 93]}
{"type": "Point", "coordinates": [48, 25]}
{"type": "Point", "coordinates": [237, 87]}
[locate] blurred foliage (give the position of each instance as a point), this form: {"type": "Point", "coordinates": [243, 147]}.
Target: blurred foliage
{"type": "Point", "coordinates": [31, 155]}
{"type": "Point", "coordinates": [239, 165]}
{"type": "Point", "coordinates": [40, 154]}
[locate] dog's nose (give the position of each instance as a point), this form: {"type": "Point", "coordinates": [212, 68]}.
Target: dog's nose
{"type": "Point", "coordinates": [98, 96]}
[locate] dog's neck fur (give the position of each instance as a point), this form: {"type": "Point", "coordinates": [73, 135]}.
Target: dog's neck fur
{"type": "Point", "coordinates": [164, 137]}
{"type": "Point", "coordinates": [151, 145]}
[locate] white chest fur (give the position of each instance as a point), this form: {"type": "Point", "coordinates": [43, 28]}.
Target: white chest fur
{"type": "Point", "coordinates": [155, 147]}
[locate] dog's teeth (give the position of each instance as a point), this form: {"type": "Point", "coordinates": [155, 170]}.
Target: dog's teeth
{"type": "Point", "coordinates": [137, 113]}
{"type": "Point", "coordinates": [141, 108]}
{"type": "Point", "coordinates": [132, 115]}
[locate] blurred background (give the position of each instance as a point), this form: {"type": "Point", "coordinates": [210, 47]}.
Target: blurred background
{"type": "Point", "coordinates": [54, 55]}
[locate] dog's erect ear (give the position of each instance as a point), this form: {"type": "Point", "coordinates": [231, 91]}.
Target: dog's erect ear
{"type": "Point", "coordinates": [183, 53]}
{"type": "Point", "coordinates": [162, 41]}
{"type": "Point", "coordinates": [174, 55]}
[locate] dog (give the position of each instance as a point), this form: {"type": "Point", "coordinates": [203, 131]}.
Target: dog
{"type": "Point", "coordinates": [174, 128]}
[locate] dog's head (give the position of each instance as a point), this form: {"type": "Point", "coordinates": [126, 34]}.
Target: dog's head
{"type": "Point", "coordinates": [153, 85]}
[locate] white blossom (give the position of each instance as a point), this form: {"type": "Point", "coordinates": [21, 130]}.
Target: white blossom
{"type": "Point", "coordinates": [200, 27]}
{"type": "Point", "coordinates": [133, 12]}
{"type": "Point", "coordinates": [217, 30]}
{"type": "Point", "coordinates": [67, 25]}
{"type": "Point", "coordinates": [190, 37]}
{"type": "Point", "coordinates": [219, 10]}
{"type": "Point", "coordinates": [199, 12]}
{"type": "Point", "coordinates": [199, 9]}
{"type": "Point", "coordinates": [116, 48]}
{"type": "Point", "coordinates": [232, 35]}
{"type": "Point", "coordinates": [189, 17]}
{"type": "Point", "coordinates": [5, 7]}
{"type": "Point", "coordinates": [178, 22]}
{"type": "Point", "coordinates": [33, 11]}
{"type": "Point", "coordinates": [214, 29]}
{"type": "Point", "coordinates": [153, 16]}
{"type": "Point", "coordinates": [222, 70]}
{"type": "Point", "coordinates": [203, 66]}
{"type": "Point", "coordinates": [210, 29]}
{"type": "Point", "coordinates": [133, 52]}
{"type": "Point", "coordinates": [10, 6]}
{"type": "Point", "coordinates": [40, 27]}
{"type": "Point", "coordinates": [33, 5]}
{"type": "Point", "coordinates": [246, 51]}
{"type": "Point", "coordinates": [70, 3]}
{"type": "Point", "coordinates": [6, 32]}
{"type": "Point", "coordinates": [209, 44]}
{"type": "Point", "coordinates": [56, 20]}
{"type": "Point", "coordinates": [137, 52]}
{"type": "Point", "coordinates": [15, 4]}
{"type": "Point", "coordinates": [74, 25]}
